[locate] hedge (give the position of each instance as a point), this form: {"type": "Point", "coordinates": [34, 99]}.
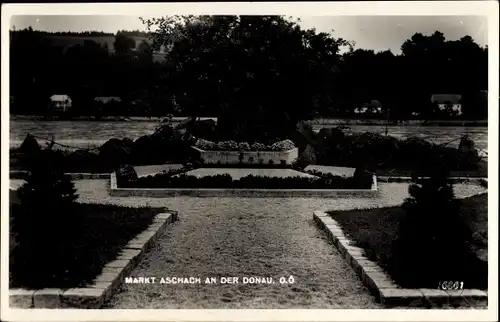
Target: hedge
{"type": "Point", "coordinates": [325, 181]}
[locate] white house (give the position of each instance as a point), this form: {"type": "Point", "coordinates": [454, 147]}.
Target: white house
{"type": "Point", "coordinates": [374, 107]}
{"type": "Point", "coordinates": [60, 102]}
{"type": "Point", "coordinates": [453, 100]}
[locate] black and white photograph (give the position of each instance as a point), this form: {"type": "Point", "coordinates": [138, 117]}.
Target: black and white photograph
{"type": "Point", "coordinates": [171, 160]}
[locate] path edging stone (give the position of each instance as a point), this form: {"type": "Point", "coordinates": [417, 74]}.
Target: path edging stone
{"type": "Point", "coordinates": [381, 284]}
{"type": "Point", "coordinates": [21, 174]}
{"type": "Point", "coordinates": [105, 285]}
{"type": "Point", "coordinates": [474, 180]}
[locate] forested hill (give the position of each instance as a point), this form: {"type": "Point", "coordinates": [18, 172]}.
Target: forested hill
{"type": "Point", "coordinates": [68, 39]}
{"type": "Point", "coordinates": [252, 65]}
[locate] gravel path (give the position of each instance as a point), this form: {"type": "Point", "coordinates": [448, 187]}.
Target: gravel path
{"type": "Point", "coordinates": [237, 237]}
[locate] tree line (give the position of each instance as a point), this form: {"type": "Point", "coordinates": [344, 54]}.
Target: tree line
{"type": "Point", "coordinates": [247, 67]}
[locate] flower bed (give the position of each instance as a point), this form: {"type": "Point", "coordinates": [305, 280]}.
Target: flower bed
{"type": "Point", "coordinates": [376, 231]}
{"type": "Point", "coordinates": [284, 145]}
{"type": "Point", "coordinates": [182, 180]}
{"type": "Point", "coordinates": [102, 232]}
{"type": "Point", "coordinates": [248, 157]}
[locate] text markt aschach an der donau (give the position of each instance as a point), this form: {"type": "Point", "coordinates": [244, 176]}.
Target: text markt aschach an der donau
{"type": "Point", "coordinates": [210, 280]}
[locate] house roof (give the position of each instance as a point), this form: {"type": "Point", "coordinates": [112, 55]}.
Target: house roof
{"type": "Point", "coordinates": [373, 104]}
{"type": "Point", "coordinates": [443, 98]}
{"type": "Point", "coordinates": [60, 97]}
{"type": "Point", "coordinates": [107, 99]}
{"type": "Point", "coordinates": [365, 109]}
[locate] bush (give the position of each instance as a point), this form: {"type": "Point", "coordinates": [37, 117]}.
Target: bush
{"type": "Point", "coordinates": [362, 176]}
{"type": "Point", "coordinates": [126, 176]}
{"type": "Point", "coordinates": [468, 154]}
{"type": "Point", "coordinates": [206, 129]}
{"type": "Point", "coordinates": [432, 235]}
{"type": "Point", "coordinates": [43, 218]}
{"type": "Point", "coordinates": [334, 147]}
{"type": "Point", "coordinates": [323, 181]}
{"type": "Point", "coordinates": [85, 161]}
{"type": "Point", "coordinates": [30, 145]}
{"type": "Point", "coordinates": [116, 152]}
{"type": "Point", "coordinates": [306, 158]}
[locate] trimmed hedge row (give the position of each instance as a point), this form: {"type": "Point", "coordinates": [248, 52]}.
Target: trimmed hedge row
{"type": "Point", "coordinates": [361, 180]}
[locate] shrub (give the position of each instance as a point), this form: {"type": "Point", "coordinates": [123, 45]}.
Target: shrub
{"type": "Point", "coordinates": [116, 152]}
{"type": "Point", "coordinates": [322, 181]}
{"type": "Point", "coordinates": [257, 146]}
{"type": "Point", "coordinates": [244, 146]}
{"type": "Point", "coordinates": [284, 145]}
{"type": "Point", "coordinates": [468, 154]}
{"type": "Point", "coordinates": [432, 235]}
{"type": "Point", "coordinates": [30, 145]}
{"type": "Point", "coordinates": [44, 217]}
{"type": "Point", "coordinates": [362, 177]}
{"type": "Point", "coordinates": [126, 176]}
{"type": "Point", "coordinates": [334, 147]}
{"type": "Point", "coordinates": [206, 129]}
{"type": "Point", "coordinates": [307, 157]}
{"type": "Point", "coordinates": [85, 161]}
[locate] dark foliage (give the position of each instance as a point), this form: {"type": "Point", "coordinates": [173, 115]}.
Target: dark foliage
{"type": "Point", "coordinates": [69, 248]}
{"type": "Point", "coordinates": [43, 218]}
{"type": "Point", "coordinates": [377, 232]}
{"type": "Point", "coordinates": [468, 154]}
{"type": "Point", "coordinates": [231, 66]}
{"type": "Point", "coordinates": [432, 234]}
{"type": "Point", "coordinates": [116, 152]}
{"type": "Point", "coordinates": [375, 151]}
{"type": "Point", "coordinates": [126, 176]}
{"type": "Point", "coordinates": [325, 181]}
{"type": "Point", "coordinates": [30, 145]}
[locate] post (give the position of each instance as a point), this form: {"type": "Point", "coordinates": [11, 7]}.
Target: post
{"type": "Point", "coordinates": [387, 122]}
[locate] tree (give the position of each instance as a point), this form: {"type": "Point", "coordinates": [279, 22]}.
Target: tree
{"type": "Point", "coordinates": [432, 238]}
{"type": "Point", "coordinates": [246, 68]}
{"type": "Point", "coordinates": [258, 73]}
{"type": "Point", "coordinates": [45, 216]}
{"type": "Point", "coordinates": [145, 53]}
{"type": "Point", "coordinates": [123, 44]}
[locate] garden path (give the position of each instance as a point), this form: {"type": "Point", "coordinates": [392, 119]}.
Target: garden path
{"type": "Point", "coordinates": [275, 237]}
{"type": "Point", "coordinates": [217, 237]}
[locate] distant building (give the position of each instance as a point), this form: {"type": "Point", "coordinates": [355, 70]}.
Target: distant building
{"type": "Point", "coordinates": [452, 100]}
{"type": "Point", "coordinates": [60, 102]}
{"type": "Point", "coordinates": [373, 107]}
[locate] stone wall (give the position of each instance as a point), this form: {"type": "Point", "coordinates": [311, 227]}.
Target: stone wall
{"type": "Point", "coordinates": [248, 157]}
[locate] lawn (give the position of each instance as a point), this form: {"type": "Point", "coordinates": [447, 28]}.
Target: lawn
{"type": "Point", "coordinates": [480, 172]}
{"type": "Point", "coordinates": [102, 233]}
{"type": "Point", "coordinates": [376, 231]}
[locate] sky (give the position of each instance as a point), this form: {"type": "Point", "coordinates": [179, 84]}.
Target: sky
{"type": "Point", "coordinates": [368, 32]}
